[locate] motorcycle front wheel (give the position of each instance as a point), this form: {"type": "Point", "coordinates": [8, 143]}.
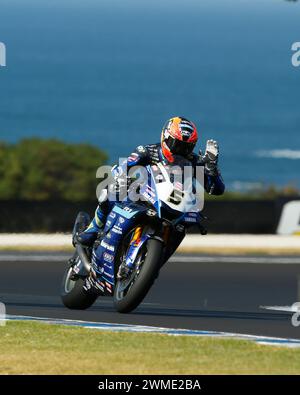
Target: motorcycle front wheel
{"type": "Point", "coordinates": [130, 292]}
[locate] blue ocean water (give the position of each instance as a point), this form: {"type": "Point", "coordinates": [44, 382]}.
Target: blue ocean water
{"type": "Point", "coordinates": [110, 72]}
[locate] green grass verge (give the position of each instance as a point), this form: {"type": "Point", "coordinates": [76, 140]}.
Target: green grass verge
{"type": "Point", "coordinates": [37, 348]}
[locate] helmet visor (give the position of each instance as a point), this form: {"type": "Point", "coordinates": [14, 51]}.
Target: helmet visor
{"type": "Point", "coordinates": [178, 147]}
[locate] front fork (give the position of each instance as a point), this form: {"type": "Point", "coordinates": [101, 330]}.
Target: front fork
{"type": "Point", "coordinates": [141, 235]}
{"type": "Point", "coordinates": [137, 240]}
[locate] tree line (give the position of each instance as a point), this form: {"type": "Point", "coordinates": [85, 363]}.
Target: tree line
{"type": "Point", "coordinates": [38, 169]}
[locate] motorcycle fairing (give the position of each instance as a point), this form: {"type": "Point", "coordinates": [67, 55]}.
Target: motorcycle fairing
{"type": "Point", "coordinates": [119, 222]}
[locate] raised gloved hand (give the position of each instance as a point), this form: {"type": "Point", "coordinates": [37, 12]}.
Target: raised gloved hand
{"type": "Point", "coordinates": [118, 181]}
{"type": "Point", "coordinates": [210, 157]}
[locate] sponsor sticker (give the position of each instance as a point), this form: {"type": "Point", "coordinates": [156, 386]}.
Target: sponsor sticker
{"type": "Point", "coordinates": [108, 275]}
{"type": "Point", "coordinates": [108, 257]}
{"type": "Point", "coordinates": [141, 149]}
{"type": "Point", "coordinates": [117, 229]}
{"type": "Point", "coordinates": [151, 213]}
{"type": "Point", "coordinates": [190, 219]}
{"type": "Point", "coordinates": [107, 246]}
{"type": "Point", "coordinates": [148, 197]}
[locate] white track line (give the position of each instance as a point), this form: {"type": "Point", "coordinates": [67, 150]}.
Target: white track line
{"type": "Point", "coordinates": [175, 259]}
{"type": "Point", "coordinates": [236, 259]}
{"type": "Point", "coordinates": [287, 309]}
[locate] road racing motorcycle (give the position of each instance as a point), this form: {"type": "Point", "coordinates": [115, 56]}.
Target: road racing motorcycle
{"type": "Point", "coordinates": [138, 238]}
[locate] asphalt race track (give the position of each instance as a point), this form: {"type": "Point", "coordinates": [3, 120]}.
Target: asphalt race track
{"type": "Point", "coordinates": [192, 292]}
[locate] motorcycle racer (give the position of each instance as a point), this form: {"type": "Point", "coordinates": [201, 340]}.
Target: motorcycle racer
{"type": "Point", "coordinates": [179, 137]}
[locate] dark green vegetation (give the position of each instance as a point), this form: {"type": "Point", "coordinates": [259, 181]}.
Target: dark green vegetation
{"type": "Point", "coordinates": [45, 170]}
{"type": "Point", "coordinates": [37, 169]}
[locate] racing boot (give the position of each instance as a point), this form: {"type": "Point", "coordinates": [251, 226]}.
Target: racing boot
{"type": "Point", "coordinates": [88, 237]}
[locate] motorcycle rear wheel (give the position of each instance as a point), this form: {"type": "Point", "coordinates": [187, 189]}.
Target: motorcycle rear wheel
{"type": "Point", "coordinates": [73, 295]}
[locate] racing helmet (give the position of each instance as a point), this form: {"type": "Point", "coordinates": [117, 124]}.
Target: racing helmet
{"type": "Point", "coordinates": [179, 137]}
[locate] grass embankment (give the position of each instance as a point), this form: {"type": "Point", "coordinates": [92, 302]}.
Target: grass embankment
{"type": "Point", "coordinates": [36, 348]}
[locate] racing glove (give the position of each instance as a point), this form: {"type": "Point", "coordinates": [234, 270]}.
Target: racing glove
{"type": "Point", "coordinates": [210, 158]}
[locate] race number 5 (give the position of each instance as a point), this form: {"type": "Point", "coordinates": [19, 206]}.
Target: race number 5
{"type": "Point", "coordinates": [176, 197]}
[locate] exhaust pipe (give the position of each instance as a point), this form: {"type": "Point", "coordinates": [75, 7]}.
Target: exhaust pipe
{"type": "Point", "coordinates": [83, 257]}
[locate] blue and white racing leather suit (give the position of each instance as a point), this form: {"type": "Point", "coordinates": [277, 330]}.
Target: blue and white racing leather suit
{"type": "Point", "coordinates": [150, 154]}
